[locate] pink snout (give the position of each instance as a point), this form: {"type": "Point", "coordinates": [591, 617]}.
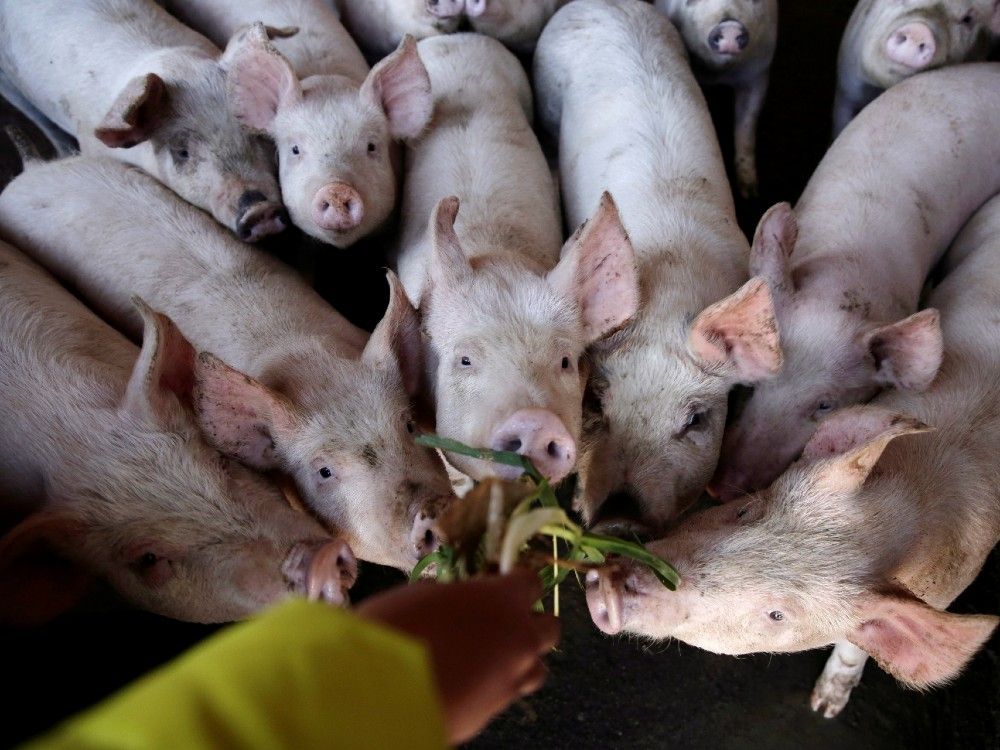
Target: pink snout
{"type": "Point", "coordinates": [540, 436]}
{"type": "Point", "coordinates": [322, 571]}
{"type": "Point", "coordinates": [912, 45]}
{"type": "Point", "coordinates": [729, 38]}
{"type": "Point", "coordinates": [445, 8]}
{"type": "Point", "coordinates": [338, 207]}
{"type": "Point", "coordinates": [604, 600]}
{"type": "Point", "coordinates": [424, 535]}
{"type": "Point", "coordinates": [474, 8]}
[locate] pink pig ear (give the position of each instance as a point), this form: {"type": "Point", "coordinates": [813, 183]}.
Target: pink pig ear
{"type": "Point", "coordinates": [597, 270]}
{"type": "Point", "coordinates": [259, 79]}
{"type": "Point", "coordinates": [37, 583]}
{"type": "Point", "coordinates": [847, 444]}
{"type": "Point", "coordinates": [135, 114]}
{"type": "Point", "coordinates": [448, 262]}
{"type": "Point", "coordinates": [773, 244]}
{"type": "Point", "coordinates": [915, 643]}
{"type": "Point", "coordinates": [239, 416]}
{"type": "Point", "coordinates": [164, 372]}
{"type": "Point", "coordinates": [396, 340]}
{"type": "Point", "coordinates": [908, 354]}
{"type": "Point", "coordinates": [400, 86]}
{"type": "Point", "coordinates": [738, 337]}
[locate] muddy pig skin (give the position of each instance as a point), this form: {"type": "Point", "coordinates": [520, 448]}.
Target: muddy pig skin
{"type": "Point", "coordinates": [108, 459]}
{"type": "Point", "coordinates": [887, 41]}
{"type": "Point", "coordinates": [732, 42]}
{"type": "Point", "coordinates": [131, 82]}
{"type": "Point", "coordinates": [378, 26]}
{"type": "Point", "coordinates": [613, 84]}
{"type": "Point", "coordinates": [878, 213]}
{"type": "Point", "coordinates": [506, 322]}
{"type": "Point", "coordinates": [843, 549]}
{"type": "Point", "coordinates": [323, 402]}
{"type": "Point", "coordinates": [300, 79]}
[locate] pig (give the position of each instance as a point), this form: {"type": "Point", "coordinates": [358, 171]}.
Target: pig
{"type": "Point", "coordinates": [516, 23]}
{"type": "Point", "coordinates": [107, 458]}
{"type": "Point", "coordinates": [128, 80]}
{"type": "Point", "coordinates": [334, 122]}
{"type": "Point", "coordinates": [311, 396]}
{"type": "Point", "coordinates": [732, 42]}
{"type": "Point", "coordinates": [853, 545]}
{"type": "Point", "coordinates": [848, 265]}
{"type": "Point", "coordinates": [505, 320]}
{"type": "Point", "coordinates": [613, 85]}
{"type": "Point", "coordinates": [378, 26]}
{"type": "Point", "coordinates": [887, 41]}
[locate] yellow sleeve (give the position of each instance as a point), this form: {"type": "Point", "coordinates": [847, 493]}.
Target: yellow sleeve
{"type": "Point", "coordinates": [300, 676]}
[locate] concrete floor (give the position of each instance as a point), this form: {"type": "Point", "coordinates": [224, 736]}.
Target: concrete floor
{"type": "Point", "coordinates": [602, 692]}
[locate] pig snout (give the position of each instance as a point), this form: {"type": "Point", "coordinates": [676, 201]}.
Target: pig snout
{"type": "Point", "coordinates": [257, 217]}
{"type": "Point", "coordinates": [445, 8]}
{"type": "Point", "coordinates": [729, 38]}
{"type": "Point", "coordinates": [338, 207]}
{"type": "Point", "coordinates": [475, 8]}
{"type": "Point", "coordinates": [424, 535]}
{"type": "Point", "coordinates": [912, 45]}
{"type": "Point", "coordinates": [605, 600]}
{"type": "Point", "coordinates": [540, 436]}
{"type": "Point", "coordinates": [322, 571]}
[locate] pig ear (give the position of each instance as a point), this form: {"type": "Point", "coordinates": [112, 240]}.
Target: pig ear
{"type": "Point", "coordinates": [738, 337]}
{"type": "Point", "coordinates": [239, 416]}
{"type": "Point", "coordinates": [448, 260]}
{"type": "Point", "coordinates": [597, 270]}
{"type": "Point", "coordinates": [37, 583]}
{"type": "Point", "coordinates": [847, 444]}
{"type": "Point", "coordinates": [908, 354]}
{"type": "Point", "coordinates": [396, 340]}
{"type": "Point", "coordinates": [259, 79]}
{"type": "Point", "coordinates": [164, 370]}
{"type": "Point", "coordinates": [915, 643]}
{"type": "Point", "coordinates": [400, 86]}
{"type": "Point", "coordinates": [135, 114]}
{"type": "Point", "coordinates": [773, 244]}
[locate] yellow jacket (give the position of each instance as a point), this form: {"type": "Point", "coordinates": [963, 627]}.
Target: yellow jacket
{"type": "Point", "coordinates": [300, 676]}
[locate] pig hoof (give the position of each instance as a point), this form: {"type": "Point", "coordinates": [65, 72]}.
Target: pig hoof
{"type": "Point", "coordinates": [831, 695]}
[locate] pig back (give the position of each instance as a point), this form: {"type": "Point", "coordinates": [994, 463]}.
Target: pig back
{"type": "Point", "coordinates": [897, 185]}
{"type": "Point", "coordinates": [481, 148]}
{"type": "Point", "coordinates": [56, 360]}
{"type": "Point", "coordinates": [130, 235]}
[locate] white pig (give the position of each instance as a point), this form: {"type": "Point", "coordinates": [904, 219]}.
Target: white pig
{"type": "Point", "coordinates": [320, 403]}
{"type": "Point", "coordinates": [841, 548]}
{"type": "Point", "coordinates": [506, 321]}
{"type": "Point", "coordinates": [130, 81]}
{"type": "Point", "coordinates": [614, 85]}
{"type": "Point", "coordinates": [380, 25]}
{"type": "Point", "coordinates": [878, 213]}
{"type": "Point", "coordinates": [335, 123]}
{"type": "Point", "coordinates": [103, 451]}
{"type": "Point", "coordinates": [889, 40]}
{"type": "Point", "coordinates": [732, 42]}
{"type": "Point", "coordinates": [516, 23]}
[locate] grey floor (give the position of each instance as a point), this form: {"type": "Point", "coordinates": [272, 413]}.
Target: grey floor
{"type": "Point", "coordinates": [602, 692]}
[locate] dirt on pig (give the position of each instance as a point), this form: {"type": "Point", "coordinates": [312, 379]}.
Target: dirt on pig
{"type": "Point", "coordinates": [602, 692]}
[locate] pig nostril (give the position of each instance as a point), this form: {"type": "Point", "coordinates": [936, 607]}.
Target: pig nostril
{"type": "Point", "coordinates": [325, 206]}
{"type": "Point", "coordinates": [429, 538]}
{"type": "Point", "coordinates": [553, 450]}
{"type": "Point", "coordinates": [513, 445]}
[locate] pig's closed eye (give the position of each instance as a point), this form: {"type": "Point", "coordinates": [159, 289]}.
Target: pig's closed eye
{"type": "Point", "coordinates": [152, 568]}
{"type": "Point", "coordinates": [823, 408]}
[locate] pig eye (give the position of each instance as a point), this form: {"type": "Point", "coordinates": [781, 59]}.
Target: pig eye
{"type": "Point", "coordinates": [695, 419]}
{"type": "Point", "coordinates": [325, 472]}
{"type": "Point", "coordinates": [776, 615]}
{"type": "Point", "coordinates": [180, 154]}
{"type": "Point", "coordinates": [822, 409]}
{"type": "Point", "coordinates": [152, 568]}
{"type": "Point", "coordinates": [295, 150]}
{"type": "Point", "coordinates": [466, 362]}
{"type": "Point", "coordinates": [967, 19]}
{"type": "Point", "coordinates": [371, 147]}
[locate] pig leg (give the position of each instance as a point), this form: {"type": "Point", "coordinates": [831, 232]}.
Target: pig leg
{"type": "Point", "coordinates": [840, 675]}
{"type": "Point", "coordinates": [749, 102]}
